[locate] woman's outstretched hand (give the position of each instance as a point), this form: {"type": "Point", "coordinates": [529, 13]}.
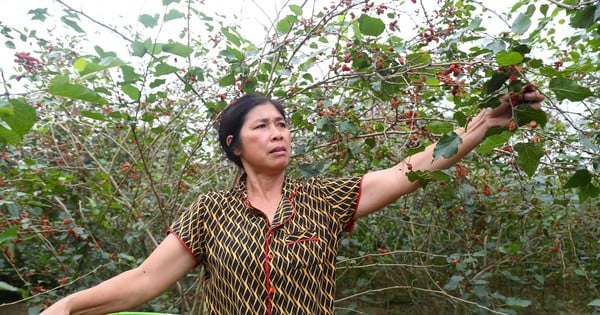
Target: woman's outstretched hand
{"type": "Point", "coordinates": [503, 115]}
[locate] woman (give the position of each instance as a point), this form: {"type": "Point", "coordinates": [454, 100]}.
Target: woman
{"type": "Point", "coordinates": [269, 244]}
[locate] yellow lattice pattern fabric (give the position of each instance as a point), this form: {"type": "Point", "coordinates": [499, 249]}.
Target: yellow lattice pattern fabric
{"type": "Point", "coordinates": [287, 267]}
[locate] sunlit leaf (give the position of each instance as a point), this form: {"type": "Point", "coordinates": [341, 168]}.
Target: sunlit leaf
{"type": "Point", "coordinates": [565, 88]}
{"type": "Point", "coordinates": [6, 108]}
{"type": "Point", "coordinates": [508, 58]}
{"type": "Point", "coordinates": [167, 2]}
{"type": "Point", "coordinates": [370, 26]}
{"type": "Point", "coordinates": [86, 66]}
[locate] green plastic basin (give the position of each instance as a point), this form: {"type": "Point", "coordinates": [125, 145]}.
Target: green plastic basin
{"type": "Point", "coordinates": [140, 313]}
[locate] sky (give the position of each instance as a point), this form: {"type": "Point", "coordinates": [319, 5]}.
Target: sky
{"type": "Point", "coordinates": [255, 15]}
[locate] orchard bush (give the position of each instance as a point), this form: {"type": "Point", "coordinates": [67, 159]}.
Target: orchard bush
{"type": "Point", "coordinates": [104, 149]}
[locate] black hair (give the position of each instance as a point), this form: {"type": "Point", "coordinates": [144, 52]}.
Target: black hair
{"type": "Point", "coordinates": [233, 117]}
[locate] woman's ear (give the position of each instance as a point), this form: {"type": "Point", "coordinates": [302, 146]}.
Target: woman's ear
{"type": "Point", "coordinates": [229, 141]}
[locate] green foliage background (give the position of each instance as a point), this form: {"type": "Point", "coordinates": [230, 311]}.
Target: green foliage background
{"type": "Point", "coordinates": [105, 150]}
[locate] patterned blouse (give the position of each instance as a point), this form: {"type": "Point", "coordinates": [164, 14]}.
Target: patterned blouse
{"type": "Point", "coordinates": [286, 267]}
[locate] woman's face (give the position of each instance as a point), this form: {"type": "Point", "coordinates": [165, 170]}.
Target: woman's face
{"type": "Point", "coordinates": [265, 140]}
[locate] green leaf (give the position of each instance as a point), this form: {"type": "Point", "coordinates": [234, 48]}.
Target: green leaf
{"type": "Point", "coordinates": [157, 83]}
{"type": "Point", "coordinates": [418, 59]}
{"type": "Point", "coordinates": [131, 91]}
{"type": "Point", "coordinates": [529, 156]}
{"type": "Point", "coordinates": [285, 24]}
{"type": "Point", "coordinates": [148, 20]}
{"type": "Point", "coordinates": [516, 302]}
{"type": "Point", "coordinates": [19, 117]}
{"type": "Point", "coordinates": [232, 55]}
{"type": "Point", "coordinates": [39, 14]}
{"type": "Point", "coordinates": [495, 82]}
{"type": "Point", "coordinates": [425, 177]}
{"type": "Point", "coordinates": [7, 287]}
{"type": "Point", "coordinates": [129, 74]}
{"type": "Point", "coordinates": [508, 58]}
{"type": "Point", "coordinates": [296, 9]}
{"type": "Point", "coordinates": [6, 109]}
{"type": "Point", "coordinates": [524, 114]}
{"type": "Point", "coordinates": [447, 146]}
{"type": "Point", "coordinates": [167, 2]}
{"type": "Point", "coordinates": [72, 24]}
{"type": "Point", "coordinates": [231, 36]}
{"type": "Point", "coordinates": [581, 178]}
{"type": "Point", "coordinates": [493, 141]}
{"type": "Point", "coordinates": [164, 69]}
{"type": "Point", "coordinates": [438, 127]}
{"type": "Point", "coordinates": [85, 65]}
{"type": "Point", "coordinates": [521, 24]}
{"type": "Point", "coordinates": [309, 170]}
{"type": "Point", "coordinates": [453, 283]}
{"type": "Point", "coordinates": [8, 235]}
{"type": "Point", "coordinates": [173, 15]}
{"type": "Point", "coordinates": [584, 18]}
{"type": "Point", "coordinates": [595, 302]}
{"type": "Point", "coordinates": [227, 80]}
{"type": "Point", "coordinates": [139, 48]}
{"type": "Point", "coordinates": [9, 136]}
{"type": "Point", "coordinates": [177, 49]}
{"type": "Point", "coordinates": [565, 88]}
{"type": "Point", "coordinates": [60, 86]}
{"type": "Point", "coordinates": [370, 26]}
{"type": "Point", "coordinates": [93, 115]}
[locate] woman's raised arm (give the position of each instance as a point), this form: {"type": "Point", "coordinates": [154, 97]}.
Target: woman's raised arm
{"type": "Point", "coordinates": [381, 188]}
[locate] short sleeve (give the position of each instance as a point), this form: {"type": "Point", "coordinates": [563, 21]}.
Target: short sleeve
{"type": "Point", "coordinates": [343, 195]}
{"type": "Point", "coordinates": [188, 228]}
